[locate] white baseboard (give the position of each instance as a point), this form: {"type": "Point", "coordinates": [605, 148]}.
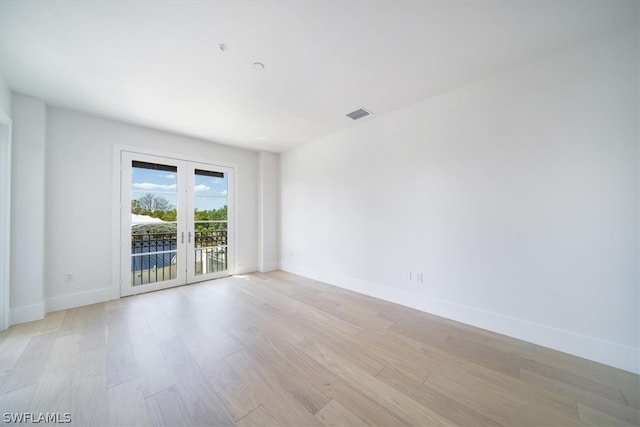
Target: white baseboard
{"type": "Point", "coordinates": [80, 299]}
{"type": "Point", "coordinates": [606, 352]}
{"type": "Point", "coordinates": [27, 313]}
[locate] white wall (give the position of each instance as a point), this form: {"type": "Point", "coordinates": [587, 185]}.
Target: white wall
{"type": "Point", "coordinates": [79, 200]}
{"type": "Point", "coordinates": [5, 98]}
{"type": "Point", "coordinates": [269, 189]}
{"type": "Point", "coordinates": [515, 196]}
{"type": "Point", "coordinates": [27, 208]}
{"type": "Point", "coordinates": [6, 125]}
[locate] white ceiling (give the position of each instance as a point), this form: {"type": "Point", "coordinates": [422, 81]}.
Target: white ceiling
{"type": "Point", "coordinates": [157, 63]}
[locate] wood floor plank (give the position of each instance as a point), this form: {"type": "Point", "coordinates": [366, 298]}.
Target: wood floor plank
{"type": "Point", "coordinates": [91, 362]}
{"type": "Point", "coordinates": [17, 401]}
{"type": "Point", "coordinates": [460, 370]}
{"type": "Point", "coordinates": [30, 365]}
{"type": "Point", "coordinates": [73, 320]}
{"type": "Point", "coordinates": [593, 370]}
{"type": "Point", "coordinates": [333, 387]}
{"type": "Point", "coordinates": [88, 399]}
{"type": "Point", "coordinates": [287, 288]}
{"type": "Point", "coordinates": [205, 350]}
{"type": "Point", "coordinates": [349, 348]}
{"type": "Point", "coordinates": [430, 356]}
{"type": "Point", "coordinates": [277, 401]}
{"type": "Point", "coordinates": [471, 350]}
{"type": "Point", "coordinates": [436, 325]}
{"type": "Point", "coordinates": [333, 414]}
{"type": "Point", "coordinates": [238, 398]}
{"type": "Point", "coordinates": [297, 326]}
{"type": "Point", "coordinates": [604, 390]}
{"type": "Point", "coordinates": [631, 398]}
{"type": "Point", "coordinates": [362, 315]}
{"type": "Point", "coordinates": [396, 402]}
{"type": "Point", "coordinates": [93, 332]}
{"type": "Point", "coordinates": [300, 281]}
{"type": "Point", "coordinates": [271, 321]}
{"type": "Point", "coordinates": [51, 322]}
{"type": "Point", "coordinates": [364, 407]}
{"type": "Point", "coordinates": [279, 349]}
{"type": "Point", "coordinates": [481, 401]}
{"type": "Point", "coordinates": [400, 357]}
{"type": "Point", "coordinates": [198, 394]}
{"type": "Point", "coordinates": [615, 409]}
{"type": "Point", "coordinates": [355, 314]}
{"type": "Point", "coordinates": [456, 368]}
{"type": "Point", "coordinates": [88, 392]}
{"type": "Point", "coordinates": [423, 334]}
{"type": "Point", "coordinates": [127, 406]}
{"type": "Point", "coordinates": [121, 365]}
{"type": "Point", "coordinates": [276, 353]}
{"type": "Point", "coordinates": [498, 405]}
{"type": "Point", "coordinates": [510, 345]}
{"type": "Point", "coordinates": [497, 360]}
{"type": "Point", "coordinates": [596, 418]}
{"type": "Point", "coordinates": [152, 369]}
{"type": "Point", "coordinates": [166, 408]}
{"type": "Point", "coordinates": [11, 349]}
{"type": "Point", "coordinates": [293, 307]}
{"type": "Point", "coordinates": [173, 303]}
{"type": "Point", "coordinates": [259, 417]}
{"type": "Point", "coordinates": [217, 338]}
{"type": "Point", "coordinates": [160, 325]}
{"type": "Point", "coordinates": [434, 400]}
{"type": "Point", "coordinates": [315, 300]}
{"type": "Point", "coordinates": [230, 310]}
{"type": "Point", "coordinates": [53, 391]}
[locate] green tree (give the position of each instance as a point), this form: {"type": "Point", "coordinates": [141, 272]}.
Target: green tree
{"type": "Point", "coordinates": [154, 202]}
{"type": "Point", "coordinates": [136, 208]}
{"type": "Point", "coordinates": [210, 215]}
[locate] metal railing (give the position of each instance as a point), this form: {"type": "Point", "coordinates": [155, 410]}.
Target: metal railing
{"type": "Point", "coordinates": [154, 255]}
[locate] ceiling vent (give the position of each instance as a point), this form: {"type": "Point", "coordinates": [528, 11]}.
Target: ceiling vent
{"type": "Point", "coordinates": [358, 114]}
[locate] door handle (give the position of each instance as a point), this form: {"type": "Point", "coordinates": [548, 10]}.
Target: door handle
{"type": "Point", "coordinates": [182, 238]}
{"type": "Point", "coordinates": [189, 239]}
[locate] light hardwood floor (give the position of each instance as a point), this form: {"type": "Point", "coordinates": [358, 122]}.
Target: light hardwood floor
{"type": "Point", "coordinates": [278, 349]}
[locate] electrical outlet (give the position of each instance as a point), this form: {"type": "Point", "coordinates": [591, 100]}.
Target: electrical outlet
{"type": "Point", "coordinates": [409, 275]}
{"type": "Point", "coordinates": [419, 277]}
{"type": "Point", "coordinates": [69, 277]}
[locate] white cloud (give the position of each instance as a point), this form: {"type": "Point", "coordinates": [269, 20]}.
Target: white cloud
{"type": "Point", "coordinates": [152, 186]}
{"type": "Point", "coordinates": [168, 176]}
{"type": "Point", "coordinates": [201, 187]}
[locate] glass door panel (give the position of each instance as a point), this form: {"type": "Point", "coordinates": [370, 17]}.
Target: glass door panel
{"type": "Point", "coordinates": [154, 223]}
{"type": "Point", "coordinates": [209, 225]}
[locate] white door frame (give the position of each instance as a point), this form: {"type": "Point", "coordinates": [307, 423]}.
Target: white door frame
{"type": "Point", "coordinates": [123, 267]}
{"type": "Point", "coordinates": [6, 126]}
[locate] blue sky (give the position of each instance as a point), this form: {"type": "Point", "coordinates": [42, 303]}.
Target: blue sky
{"type": "Point", "coordinates": [210, 192]}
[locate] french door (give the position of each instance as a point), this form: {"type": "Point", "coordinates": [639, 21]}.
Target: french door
{"type": "Point", "coordinates": [176, 224]}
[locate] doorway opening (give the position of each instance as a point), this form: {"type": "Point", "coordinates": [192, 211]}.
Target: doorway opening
{"type": "Point", "coordinates": [176, 222]}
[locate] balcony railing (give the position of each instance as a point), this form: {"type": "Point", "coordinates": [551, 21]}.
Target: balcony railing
{"type": "Point", "coordinates": [154, 255]}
